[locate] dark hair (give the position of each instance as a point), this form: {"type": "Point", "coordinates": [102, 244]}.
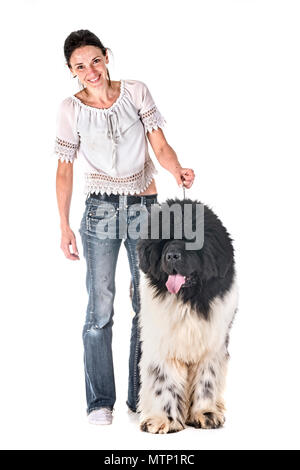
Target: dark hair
{"type": "Point", "coordinates": [80, 38]}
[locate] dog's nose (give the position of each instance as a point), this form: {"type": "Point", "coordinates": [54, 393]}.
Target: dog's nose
{"type": "Point", "coordinates": [173, 256]}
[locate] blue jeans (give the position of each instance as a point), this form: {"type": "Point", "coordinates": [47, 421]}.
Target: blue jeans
{"type": "Point", "coordinates": [101, 256]}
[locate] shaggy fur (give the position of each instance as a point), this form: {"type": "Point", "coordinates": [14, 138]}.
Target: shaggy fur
{"type": "Point", "coordinates": [185, 334]}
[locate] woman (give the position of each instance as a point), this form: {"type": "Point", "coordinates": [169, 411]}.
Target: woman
{"type": "Point", "coordinates": [107, 123]}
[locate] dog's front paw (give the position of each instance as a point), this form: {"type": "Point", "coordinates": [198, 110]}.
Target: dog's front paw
{"type": "Point", "coordinates": [206, 419]}
{"type": "Point", "coordinates": [160, 425]}
{"type": "Point", "coordinates": [155, 425]}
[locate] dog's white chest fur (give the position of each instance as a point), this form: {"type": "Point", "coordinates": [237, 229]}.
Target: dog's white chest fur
{"type": "Point", "coordinates": [172, 330]}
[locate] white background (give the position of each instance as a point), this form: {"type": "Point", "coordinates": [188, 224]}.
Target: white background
{"type": "Point", "coordinates": [225, 74]}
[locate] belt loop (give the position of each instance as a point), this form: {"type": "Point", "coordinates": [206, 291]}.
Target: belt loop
{"type": "Point", "coordinates": [142, 200]}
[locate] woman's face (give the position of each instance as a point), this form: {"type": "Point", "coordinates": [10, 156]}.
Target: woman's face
{"type": "Point", "coordinates": [88, 63]}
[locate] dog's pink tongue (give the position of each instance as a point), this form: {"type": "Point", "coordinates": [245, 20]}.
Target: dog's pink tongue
{"type": "Point", "coordinates": [174, 282]}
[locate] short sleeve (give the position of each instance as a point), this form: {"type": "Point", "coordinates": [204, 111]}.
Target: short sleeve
{"type": "Point", "coordinates": [149, 113]}
{"type": "Point", "coordinates": [67, 140]}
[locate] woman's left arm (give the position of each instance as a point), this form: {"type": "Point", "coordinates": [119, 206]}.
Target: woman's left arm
{"type": "Point", "coordinates": [168, 158]}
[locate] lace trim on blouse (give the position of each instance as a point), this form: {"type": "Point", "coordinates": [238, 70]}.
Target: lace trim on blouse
{"type": "Point", "coordinates": [65, 150]}
{"type": "Point", "coordinates": [99, 183]}
{"type": "Point", "coordinates": [152, 119]}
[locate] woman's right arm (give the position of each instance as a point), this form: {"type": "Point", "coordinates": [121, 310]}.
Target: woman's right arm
{"type": "Point", "coordinates": [64, 186]}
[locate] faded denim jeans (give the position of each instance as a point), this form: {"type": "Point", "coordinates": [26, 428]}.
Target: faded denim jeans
{"type": "Point", "coordinates": [101, 256]}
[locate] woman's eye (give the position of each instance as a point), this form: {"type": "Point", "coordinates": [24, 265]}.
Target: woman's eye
{"type": "Point", "coordinates": [80, 66]}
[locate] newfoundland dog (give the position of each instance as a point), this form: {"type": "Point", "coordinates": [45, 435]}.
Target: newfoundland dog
{"type": "Point", "coordinates": [188, 301]}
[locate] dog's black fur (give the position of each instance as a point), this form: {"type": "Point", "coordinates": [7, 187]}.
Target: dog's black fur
{"type": "Point", "coordinates": [210, 270]}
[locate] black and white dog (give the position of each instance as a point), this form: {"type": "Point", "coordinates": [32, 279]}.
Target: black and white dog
{"type": "Point", "coordinates": [188, 302]}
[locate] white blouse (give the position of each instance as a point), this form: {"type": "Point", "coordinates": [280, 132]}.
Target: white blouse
{"type": "Point", "coordinates": [111, 140]}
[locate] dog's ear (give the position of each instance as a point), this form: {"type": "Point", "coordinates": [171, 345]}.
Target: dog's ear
{"type": "Point", "coordinates": [209, 265]}
{"type": "Point", "coordinates": [216, 264]}
{"type": "Point", "coordinates": [154, 259]}
{"type": "Point", "coordinates": [143, 254]}
{"type": "Point", "coordinates": [149, 253]}
{"type": "Point", "coordinates": [224, 254]}
{"type": "Point", "coordinates": [224, 262]}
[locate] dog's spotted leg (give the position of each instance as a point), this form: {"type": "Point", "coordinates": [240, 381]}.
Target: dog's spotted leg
{"type": "Point", "coordinates": [162, 401]}
{"type": "Point", "coordinates": [206, 402]}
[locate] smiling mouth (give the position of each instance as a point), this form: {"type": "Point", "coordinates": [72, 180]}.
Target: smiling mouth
{"type": "Point", "coordinates": [95, 80]}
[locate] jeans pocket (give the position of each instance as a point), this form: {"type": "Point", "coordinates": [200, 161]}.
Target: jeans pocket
{"type": "Point", "coordinates": [102, 212]}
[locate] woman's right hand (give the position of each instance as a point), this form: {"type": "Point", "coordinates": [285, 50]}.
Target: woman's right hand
{"type": "Point", "coordinates": [67, 239]}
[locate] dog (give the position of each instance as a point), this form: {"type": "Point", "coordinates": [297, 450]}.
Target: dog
{"type": "Point", "coordinates": [189, 299]}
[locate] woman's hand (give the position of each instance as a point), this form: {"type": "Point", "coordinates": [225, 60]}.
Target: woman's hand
{"type": "Point", "coordinates": [185, 177]}
{"type": "Point", "coordinates": [67, 239]}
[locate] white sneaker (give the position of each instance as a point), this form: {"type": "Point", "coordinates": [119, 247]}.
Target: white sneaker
{"type": "Point", "coordinates": [100, 416]}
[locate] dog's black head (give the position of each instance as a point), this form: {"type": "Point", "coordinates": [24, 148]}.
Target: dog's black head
{"type": "Point", "coordinates": [192, 274]}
